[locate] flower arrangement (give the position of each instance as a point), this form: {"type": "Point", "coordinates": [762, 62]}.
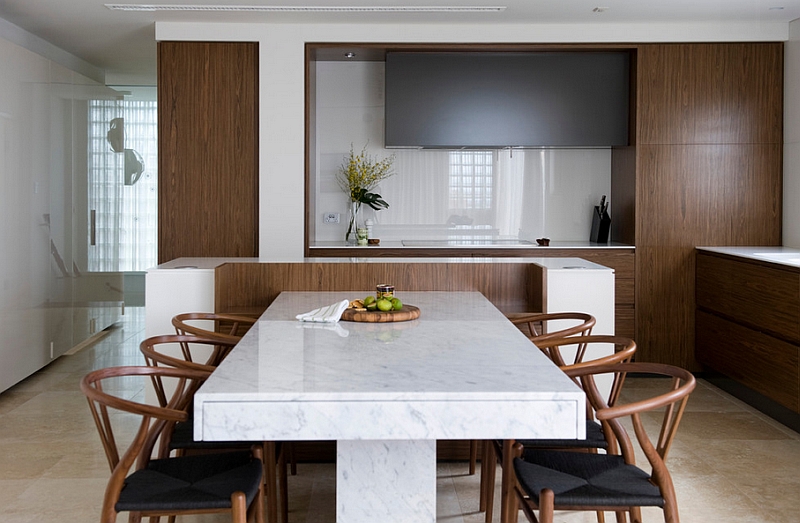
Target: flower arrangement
{"type": "Point", "coordinates": [357, 176]}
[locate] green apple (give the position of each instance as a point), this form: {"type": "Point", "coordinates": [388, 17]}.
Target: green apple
{"type": "Point", "coordinates": [384, 305]}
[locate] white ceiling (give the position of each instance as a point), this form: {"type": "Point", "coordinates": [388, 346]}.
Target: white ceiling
{"type": "Point", "coordinates": [123, 42]}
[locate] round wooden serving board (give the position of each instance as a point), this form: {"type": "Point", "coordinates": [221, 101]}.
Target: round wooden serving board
{"type": "Point", "coordinates": [407, 313]}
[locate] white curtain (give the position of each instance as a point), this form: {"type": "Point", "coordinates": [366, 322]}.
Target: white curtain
{"type": "Point", "coordinates": [125, 215]}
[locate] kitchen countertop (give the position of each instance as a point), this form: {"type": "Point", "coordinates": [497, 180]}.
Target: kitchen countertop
{"type": "Point", "coordinates": [787, 256]}
{"type": "Point", "coordinates": [472, 245]}
{"type": "Point", "coordinates": [551, 263]}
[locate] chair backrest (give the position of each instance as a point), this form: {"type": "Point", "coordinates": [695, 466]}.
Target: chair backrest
{"type": "Point", "coordinates": [540, 326]}
{"type": "Point", "coordinates": [673, 400]}
{"type": "Point", "coordinates": [98, 385]}
{"type": "Point", "coordinates": [227, 327]}
{"type": "Point", "coordinates": [596, 348]}
{"type": "Point", "coordinates": [196, 352]}
{"type": "Point", "coordinates": [162, 351]}
{"type": "Point", "coordinates": [584, 345]}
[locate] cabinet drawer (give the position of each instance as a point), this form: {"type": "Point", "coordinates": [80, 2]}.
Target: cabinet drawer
{"type": "Point", "coordinates": [759, 361]}
{"type": "Point", "coordinates": [762, 297]}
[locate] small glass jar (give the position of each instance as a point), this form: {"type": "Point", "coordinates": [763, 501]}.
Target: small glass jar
{"type": "Point", "coordinates": [361, 235]}
{"type": "Point", "coordinates": [385, 291]}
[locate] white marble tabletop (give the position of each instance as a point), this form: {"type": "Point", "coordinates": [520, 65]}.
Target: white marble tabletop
{"type": "Point", "coordinates": [460, 349]}
{"type": "Point", "coordinates": [386, 392]}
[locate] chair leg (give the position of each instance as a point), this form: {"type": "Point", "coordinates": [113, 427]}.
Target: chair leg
{"type": "Point", "coordinates": [256, 510]}
{"type": "Point", "coordinates": [482, 487]}
{"type": "Point", "coordinates": [546, 506]}
{"type": "Point", "coordinates": [289, 449]}
{"type": "Point", "coordinates": [473, 456]}
{"type": "Point", "coordinates": [270, 481]}
{"type": "Point", "coordinates": [509, 511]}
{"type": "Point", "coordinates": [283, 485]}
{"type": "Point", "coordinates": [239, 507]}
{"type": "Point", "coordinates": [488, 475]}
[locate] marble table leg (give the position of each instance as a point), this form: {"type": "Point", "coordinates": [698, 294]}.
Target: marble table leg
{"type": "Point", "coordinates": [387, 481]}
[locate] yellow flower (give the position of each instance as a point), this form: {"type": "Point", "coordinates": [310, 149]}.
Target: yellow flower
{"type": "Point", "coordinates": [359, 173]}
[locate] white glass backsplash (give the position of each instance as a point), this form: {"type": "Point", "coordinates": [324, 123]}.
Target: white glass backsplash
{"type": "Point", "coordinates": [511, 194]}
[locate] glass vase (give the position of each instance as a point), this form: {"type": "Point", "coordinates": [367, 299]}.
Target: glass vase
{"type": "Point", "coordinates": [353, 223]}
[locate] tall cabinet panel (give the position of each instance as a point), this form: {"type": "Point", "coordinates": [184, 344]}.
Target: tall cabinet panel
{"type": "Point", "coordinates": [208, 149]}
{"type": "Point", "coordinates": [709, 172]}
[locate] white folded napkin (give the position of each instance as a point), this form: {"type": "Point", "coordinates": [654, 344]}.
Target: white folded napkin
{"type": "Point", "coordinates": [327, 314]}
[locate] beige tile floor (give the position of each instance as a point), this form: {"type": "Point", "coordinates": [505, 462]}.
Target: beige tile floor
{"type": "Point", "coordinates": [730, 463]}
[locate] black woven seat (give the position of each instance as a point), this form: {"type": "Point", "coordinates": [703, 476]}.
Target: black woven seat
{"type": "Point", "coordinates": [191, 483]}
{"type": "Point", "coordinates": [182, 438]}
{"type": "Point", "coordinates": [595, 439]}
{"type": "Point", "coordinates": [584, 479]}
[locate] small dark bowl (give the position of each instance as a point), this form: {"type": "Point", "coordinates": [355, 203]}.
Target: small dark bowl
{"type": "Point", "coordinates": [374, 241]}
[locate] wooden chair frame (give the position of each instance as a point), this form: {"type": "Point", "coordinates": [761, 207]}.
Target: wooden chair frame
{"type": "Point", "coordinates": [153, 420]}
{"type": "Point", "coordinates": [674, 403]}
{"type": "Point", "coordinates": [227, 327]}
{"type": "Point", "coordinates": [219, 349]}
{"type": "Point", "coordinates": [537, 322]}
{"type": "Point", "coordinates": [624, 350]}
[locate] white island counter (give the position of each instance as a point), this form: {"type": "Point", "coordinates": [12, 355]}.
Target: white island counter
{"type": "Point", "coordinates": [569, 284]}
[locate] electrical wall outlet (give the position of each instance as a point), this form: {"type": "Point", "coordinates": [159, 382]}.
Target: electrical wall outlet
{"type": "Point", "coordinates": [330, 217]}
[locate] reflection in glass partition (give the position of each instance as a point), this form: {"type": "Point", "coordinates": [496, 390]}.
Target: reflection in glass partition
{"type": "Point", "coordinates": [123, 177]}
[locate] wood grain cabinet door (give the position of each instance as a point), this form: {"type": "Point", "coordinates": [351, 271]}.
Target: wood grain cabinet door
{"type": "Point", "coordinates": [207, 149]}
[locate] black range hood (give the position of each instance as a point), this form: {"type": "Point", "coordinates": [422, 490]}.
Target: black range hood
{"type": "Point", "coordinates": [507, 99]}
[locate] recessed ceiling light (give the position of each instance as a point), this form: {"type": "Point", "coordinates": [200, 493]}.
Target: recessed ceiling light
{"type": "Point", "coordinates": [307, 9]}
{"type": "Point", "coordinates": [776, 8]}
{"type": "Point", "coordinates": [599, 9]}
{"type": "Point", "coordinates": [349, 54]}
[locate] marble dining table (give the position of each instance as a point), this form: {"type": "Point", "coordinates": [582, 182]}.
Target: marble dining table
{"type": "Point", "coordinates": [385, 392]}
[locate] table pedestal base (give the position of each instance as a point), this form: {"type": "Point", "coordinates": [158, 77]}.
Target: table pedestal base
{"type": "Point", "coordinates": [386, 481]}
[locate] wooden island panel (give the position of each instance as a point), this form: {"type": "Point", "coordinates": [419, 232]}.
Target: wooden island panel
{"type": "Point", "coordinates": [251, 287]}
{"type": "Point", "coordinates": [622, 260]}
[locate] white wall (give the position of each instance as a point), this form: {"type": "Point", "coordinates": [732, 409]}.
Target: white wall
{"type": "Point", "coordinates": [282, 87]}
{"type": "Point", "coordinates": [791, 139]}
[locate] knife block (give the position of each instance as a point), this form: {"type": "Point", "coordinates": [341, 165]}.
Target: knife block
{"type": "Point", "coordinates": [601, 225]}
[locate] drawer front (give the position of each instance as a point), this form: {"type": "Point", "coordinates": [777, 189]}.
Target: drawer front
{"type": "Point", "coordinates": [761, 297]}
{"type": "Point", "coordinates": [759, 361]}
